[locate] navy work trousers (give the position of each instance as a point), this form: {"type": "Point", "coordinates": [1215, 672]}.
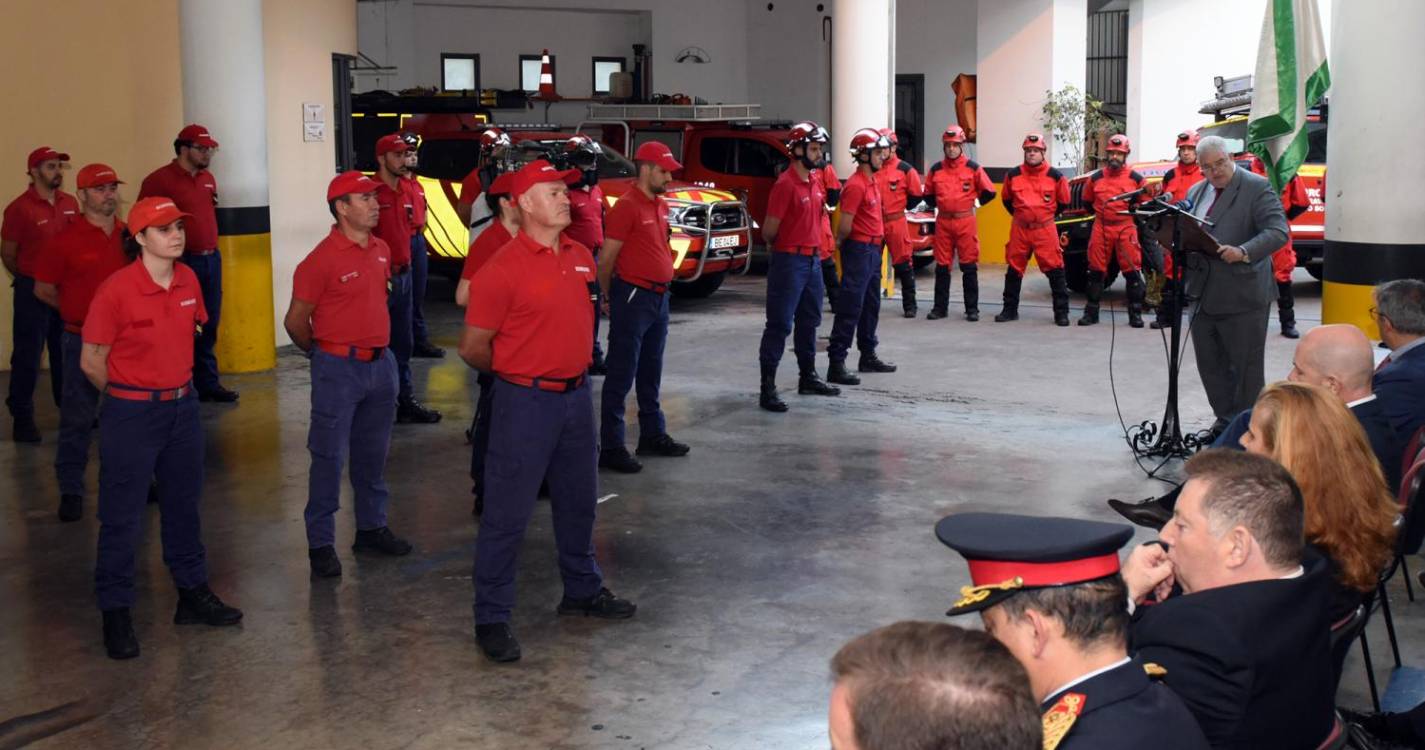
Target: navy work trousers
{"type": "Point", "coordinates": [794, 291]}
{"type": "Point", "coordinates": [638, 332]}
{"type": "Point", "coordinates": [35, 327]}
{"type": "Point", "coordinates": [140, 441]}
{"type": "Point", "coordinates": [353, 406]}
{"type": "Point", "coordinates": [402, 334]}
{"type": "Point", "coordinates": [537, 435]}
{"type": "Point", "coordinates": [420, 271]}
{"type": "Point", "coordinates": [858, 302]}
{"type": "Point", "coordinates": [209, 270]}
{"type": "Point", "coordinates": [76, 419]}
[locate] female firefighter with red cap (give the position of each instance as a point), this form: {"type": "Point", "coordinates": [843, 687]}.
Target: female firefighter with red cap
{"type": "Point", "coordinates": [1114, 233]}
{"type": "Point", "coordinates": [1033, 193]}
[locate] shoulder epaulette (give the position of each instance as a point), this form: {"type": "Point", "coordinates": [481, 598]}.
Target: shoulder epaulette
{"type": "Point", "coordinates": [1014, 172]}
{"type": "Point", "coordinates": [1137, 178]}
{"type": "Point", "coordinates": [903, 166]}
{"type": "Point", "coordinates": [1155, 671]}
{"type": "Point", "coordinates": [936, 166]}
{"type": "Point", "coordinates": [1060, 718]}
{"type": "Point", "coordinates": [972, 164]}
{"type": "Point", "coordinates": [1096, 175]}
{"type": "Point", "coordinates": [1054, 174]}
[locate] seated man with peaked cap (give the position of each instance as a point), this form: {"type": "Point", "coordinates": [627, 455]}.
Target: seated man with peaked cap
{"type": "Point", "coordinates": [1049, 589]}
{"type": "Point", "coordinates": [1246, 643]}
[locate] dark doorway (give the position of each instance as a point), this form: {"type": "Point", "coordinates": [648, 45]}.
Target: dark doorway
{"type": "Point", "coordinates": [910, 117]}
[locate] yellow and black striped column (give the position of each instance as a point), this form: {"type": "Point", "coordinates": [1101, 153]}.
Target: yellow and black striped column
{"type": "Point", "coordinates": [224, 88]}
{"type": "Point", "coordinates": [1375, 177]}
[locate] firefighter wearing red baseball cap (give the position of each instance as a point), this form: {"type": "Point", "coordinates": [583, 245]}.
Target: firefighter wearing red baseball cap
{"type": "Point", "coordinates": [794, 281]}
{"type": "Point", "coordinates": [1114, 234]}
{"type": "Point", "coordinates": [30, 220]}
{"type": "Point", "coordinates": [530, 323]}
{"type": "Point", "coordinates": [494, 143]}
{"type": "Point", "coordinates": [1033, 193]}
{"type": "Point", "coordinates": [394, 228]}
{"type": "Point", "coordinates": [420, 256]}
{"type": "Point", "coordinates": [72, 266]}
{"type": "Point", "coordinates": [1174, 187]}
{"type": "Point", "coordinates": [1295, 202]}
{"type": "Point", "coordinates": [899, 183]}
{"type": "Point", "coordinates": [149, 426]}
{"type": "Point", "coordinates": [338, 316]}
{"type": "Point", "coordinates": [635, 268]}
{"type": "Point", "coordinates": [188, 183]}
{"type": "Point", "coordinates": [952, 188]}
{"type": "Point", "coordinates": [861, 231]}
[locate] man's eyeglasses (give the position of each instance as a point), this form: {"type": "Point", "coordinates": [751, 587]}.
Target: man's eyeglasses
{"type": "Point", "coordinates": [1375, 314]}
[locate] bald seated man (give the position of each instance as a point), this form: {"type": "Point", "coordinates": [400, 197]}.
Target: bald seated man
{"type": "Point", "coordinates": [1336, 357]}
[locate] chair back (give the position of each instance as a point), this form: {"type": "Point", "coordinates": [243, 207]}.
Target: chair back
{"type": "Point", "coordinates": [1413, 529]}
{"type": "Point", "coordinates": [1345, 633]}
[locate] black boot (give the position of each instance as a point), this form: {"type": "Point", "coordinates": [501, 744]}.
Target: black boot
{"type": "Point", "coordinates": [497, 641]}
{"type": "Point", "coordinates": [869, 362]}
{"type": "Point", "coordinates": [905, 276]}
{"type": "Point", "coordinates": [325, 563]}
{"type": "Point", "coordinates": [119, 639]}
{"type": "Point", "coordinates": [1059, 291]}
{"type": "Point", "coordinates": [1093, 293]}
{"type": "Point", "coordinates": [381, 541]}
{"type": "Point", "coordinates": [200, 606]}
{"type": "Point", "coordinates": [26, 431]}
{"type": "Point", "coordinates": [769, 399]}
{"type": "Point", "coordinates": [941, 306]}
{"type": "Point", "coordinates": [1286, 309]}
{"type": "Point", "coordinates": [837, 373]}
{"type": "Point", "coordinates": [1012, 283]}
{"type": "Point", "coordinates": [809, 384]}
{"type": "Point", "coordinates": [1163, 316]}
{"type": "Point", "coordinates": [1136, 290]}
{"type": "Point", "coordinates": [410, 411]}
{"type": "Point", "coordinates": [71, 508]}
{"type": "Point", "coordinates": [970, 280]}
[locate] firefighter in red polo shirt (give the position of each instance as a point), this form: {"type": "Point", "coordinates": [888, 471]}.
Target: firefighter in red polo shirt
{"type": "Point", "coordinates": [862, 229]}
{"type": "Point", "coordinates": [1114, 234]}
{"type": "Point", "coordinates": [899, 183]}
{"type": "Point", "coordinates": [1034, 193]}
{"type": "Point", "coordinates": [635, 268]}
{"type": "Point", "coordinates": [394, 229]}
{"type": "Point", "coordinates": [72, 266]}
{"type": "Point", "coordinates": [138, 352]}
{"type": "Point", "coordinates": [952, 187]}
{"type": "Point", "coordinates": [30, 220]}
{"type": "Point", "coordinates": [586, 207]}
{"type": "Point", "coordinates": [188, 183]}
{"type": "Point", "coordinates": [420, 258]}
{"type": "Point", "coordinates": [339, 317]}
{"type": "Point", "coordinates": [530, 323]}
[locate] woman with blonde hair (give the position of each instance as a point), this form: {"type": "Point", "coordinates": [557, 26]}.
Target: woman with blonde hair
{"type": "Point", "coordinates": [1349, 514]}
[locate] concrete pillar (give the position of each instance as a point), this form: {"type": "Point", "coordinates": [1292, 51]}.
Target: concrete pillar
{"type": "Point", "coordinates": [1025, 48]}
{"type": "Point", "coordinates": [224, 89]}
{"type": "Point", "coordinates": [862, 72]}
{"type": "Point", "coordinates": [1372, 234]}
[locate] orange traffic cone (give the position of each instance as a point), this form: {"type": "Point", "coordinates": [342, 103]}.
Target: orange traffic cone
{"type": "Point", "coordinates": [546, 79]}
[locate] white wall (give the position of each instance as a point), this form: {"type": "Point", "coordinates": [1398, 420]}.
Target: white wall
{"type": "Point", "coordinates": [936, 38]}
{"type": "Point", "coordinates": [788, 60]}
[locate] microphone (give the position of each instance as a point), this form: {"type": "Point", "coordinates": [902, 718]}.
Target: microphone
{"type": "Point", "coordinates": [1127, 195]}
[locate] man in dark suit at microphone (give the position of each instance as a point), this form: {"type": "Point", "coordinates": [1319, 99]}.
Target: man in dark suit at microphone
{"type": "Point", "coordinates": [1233, 290]}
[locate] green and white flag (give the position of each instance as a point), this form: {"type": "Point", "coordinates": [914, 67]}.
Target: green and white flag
{"type": "Point", "coordinates": [1291, 77]}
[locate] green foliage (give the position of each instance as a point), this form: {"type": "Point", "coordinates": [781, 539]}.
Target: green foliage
{"type": "Point", "coordinates": [1073, 117]}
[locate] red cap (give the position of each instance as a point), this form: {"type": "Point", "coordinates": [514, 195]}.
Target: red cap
{"type": "Point", "coordinates": [44, 154]}
{"type": "Point", "coordinates": [94, 175]}
{"type": "Point", "coordinates": [536, 172]}
{"type": "Point", "coordinates": [503, 184]}
{"type": "Point", "coordinates": [347, 183]}
{"type": "Point", "coordinates": [197, 135]}
{"type": "Point", "coordinates": [659, 154]}
{"type": "Point", "coordinates": [153, 212]}
{"type": "Point", "coordinates": [391, 144]}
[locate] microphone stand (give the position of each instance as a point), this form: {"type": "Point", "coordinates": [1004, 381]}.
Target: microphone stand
{"type": "Point", "coordinates": [1165, 439]}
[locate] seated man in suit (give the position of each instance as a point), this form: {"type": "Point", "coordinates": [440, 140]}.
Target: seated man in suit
{"type": "Point", "coordinates": [929, 685]}
{"type": "Point", "coordinates": [1246, 643]}
{"type": "Point", "coordinates": [1049, 590]}
{"type": "Point", "coordinates": [1400, 380]}
{"type": "Point", "coordinates": [1337, 358]}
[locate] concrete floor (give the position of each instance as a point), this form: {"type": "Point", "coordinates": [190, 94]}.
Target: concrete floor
{"type": "Point", "coordinates": [751, 560]}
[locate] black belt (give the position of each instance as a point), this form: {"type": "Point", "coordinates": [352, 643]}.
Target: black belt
{"type": "Point", "coordinates": [646, 286]}
{"type": "Point", "coordinates": [556, 385]}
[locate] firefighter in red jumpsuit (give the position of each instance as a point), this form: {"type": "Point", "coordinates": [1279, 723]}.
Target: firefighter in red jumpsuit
{"type": "Point", "coordinates": [899, 183]}
{"type": "Point", "coordinates": [831, 188]}
{"type": "Point", "coordinates": [1295, 203]}
{"type": "Point", "coordinates": [1176, 183]}
{"type": "Point", "coordinates": [1033, 193]}
{"type": "Point", "coordinates": [951, 188]}
{"type": "Point", "coordinates": [1113, 233]}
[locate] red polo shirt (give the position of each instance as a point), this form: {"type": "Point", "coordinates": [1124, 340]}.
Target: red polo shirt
{"type": "Point", "coordinates": [394, 226]}
{"type": "Point", "coordinates": [196, 194]}
{"type": "Point", "coordinates": [416, 194]}
{"type": "Point", "coordinates": [149, 329]}
{"type": "Point", "coordinates": [484, 247]}
{"type": "Point", "coordinates": [862, 200]}
{"type": "Point", "coordinates": [30, 221]}
{"type": "Point", "coordinates": [537, 303]}
{"type": "Point", "coordinates": [641, 224]}
{"type": "Point", "coordinates": [347, 283]}
{"type": "Point", "coordinates": [799, 204]}
{"type": "Point", "coordinates": [77, 261]}
{"type": "Point", "coordinates": [586, 216]}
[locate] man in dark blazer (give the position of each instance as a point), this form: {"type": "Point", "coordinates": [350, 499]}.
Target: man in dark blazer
{"type": "Point", "coordinates": [1050, 591]}
{"type": "Point", "coordinates": [1400, 380]}
{"type": "Point", "coordinates": [1246, 643]}
{"type": "Point", "coordinates": [1233, 289]}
